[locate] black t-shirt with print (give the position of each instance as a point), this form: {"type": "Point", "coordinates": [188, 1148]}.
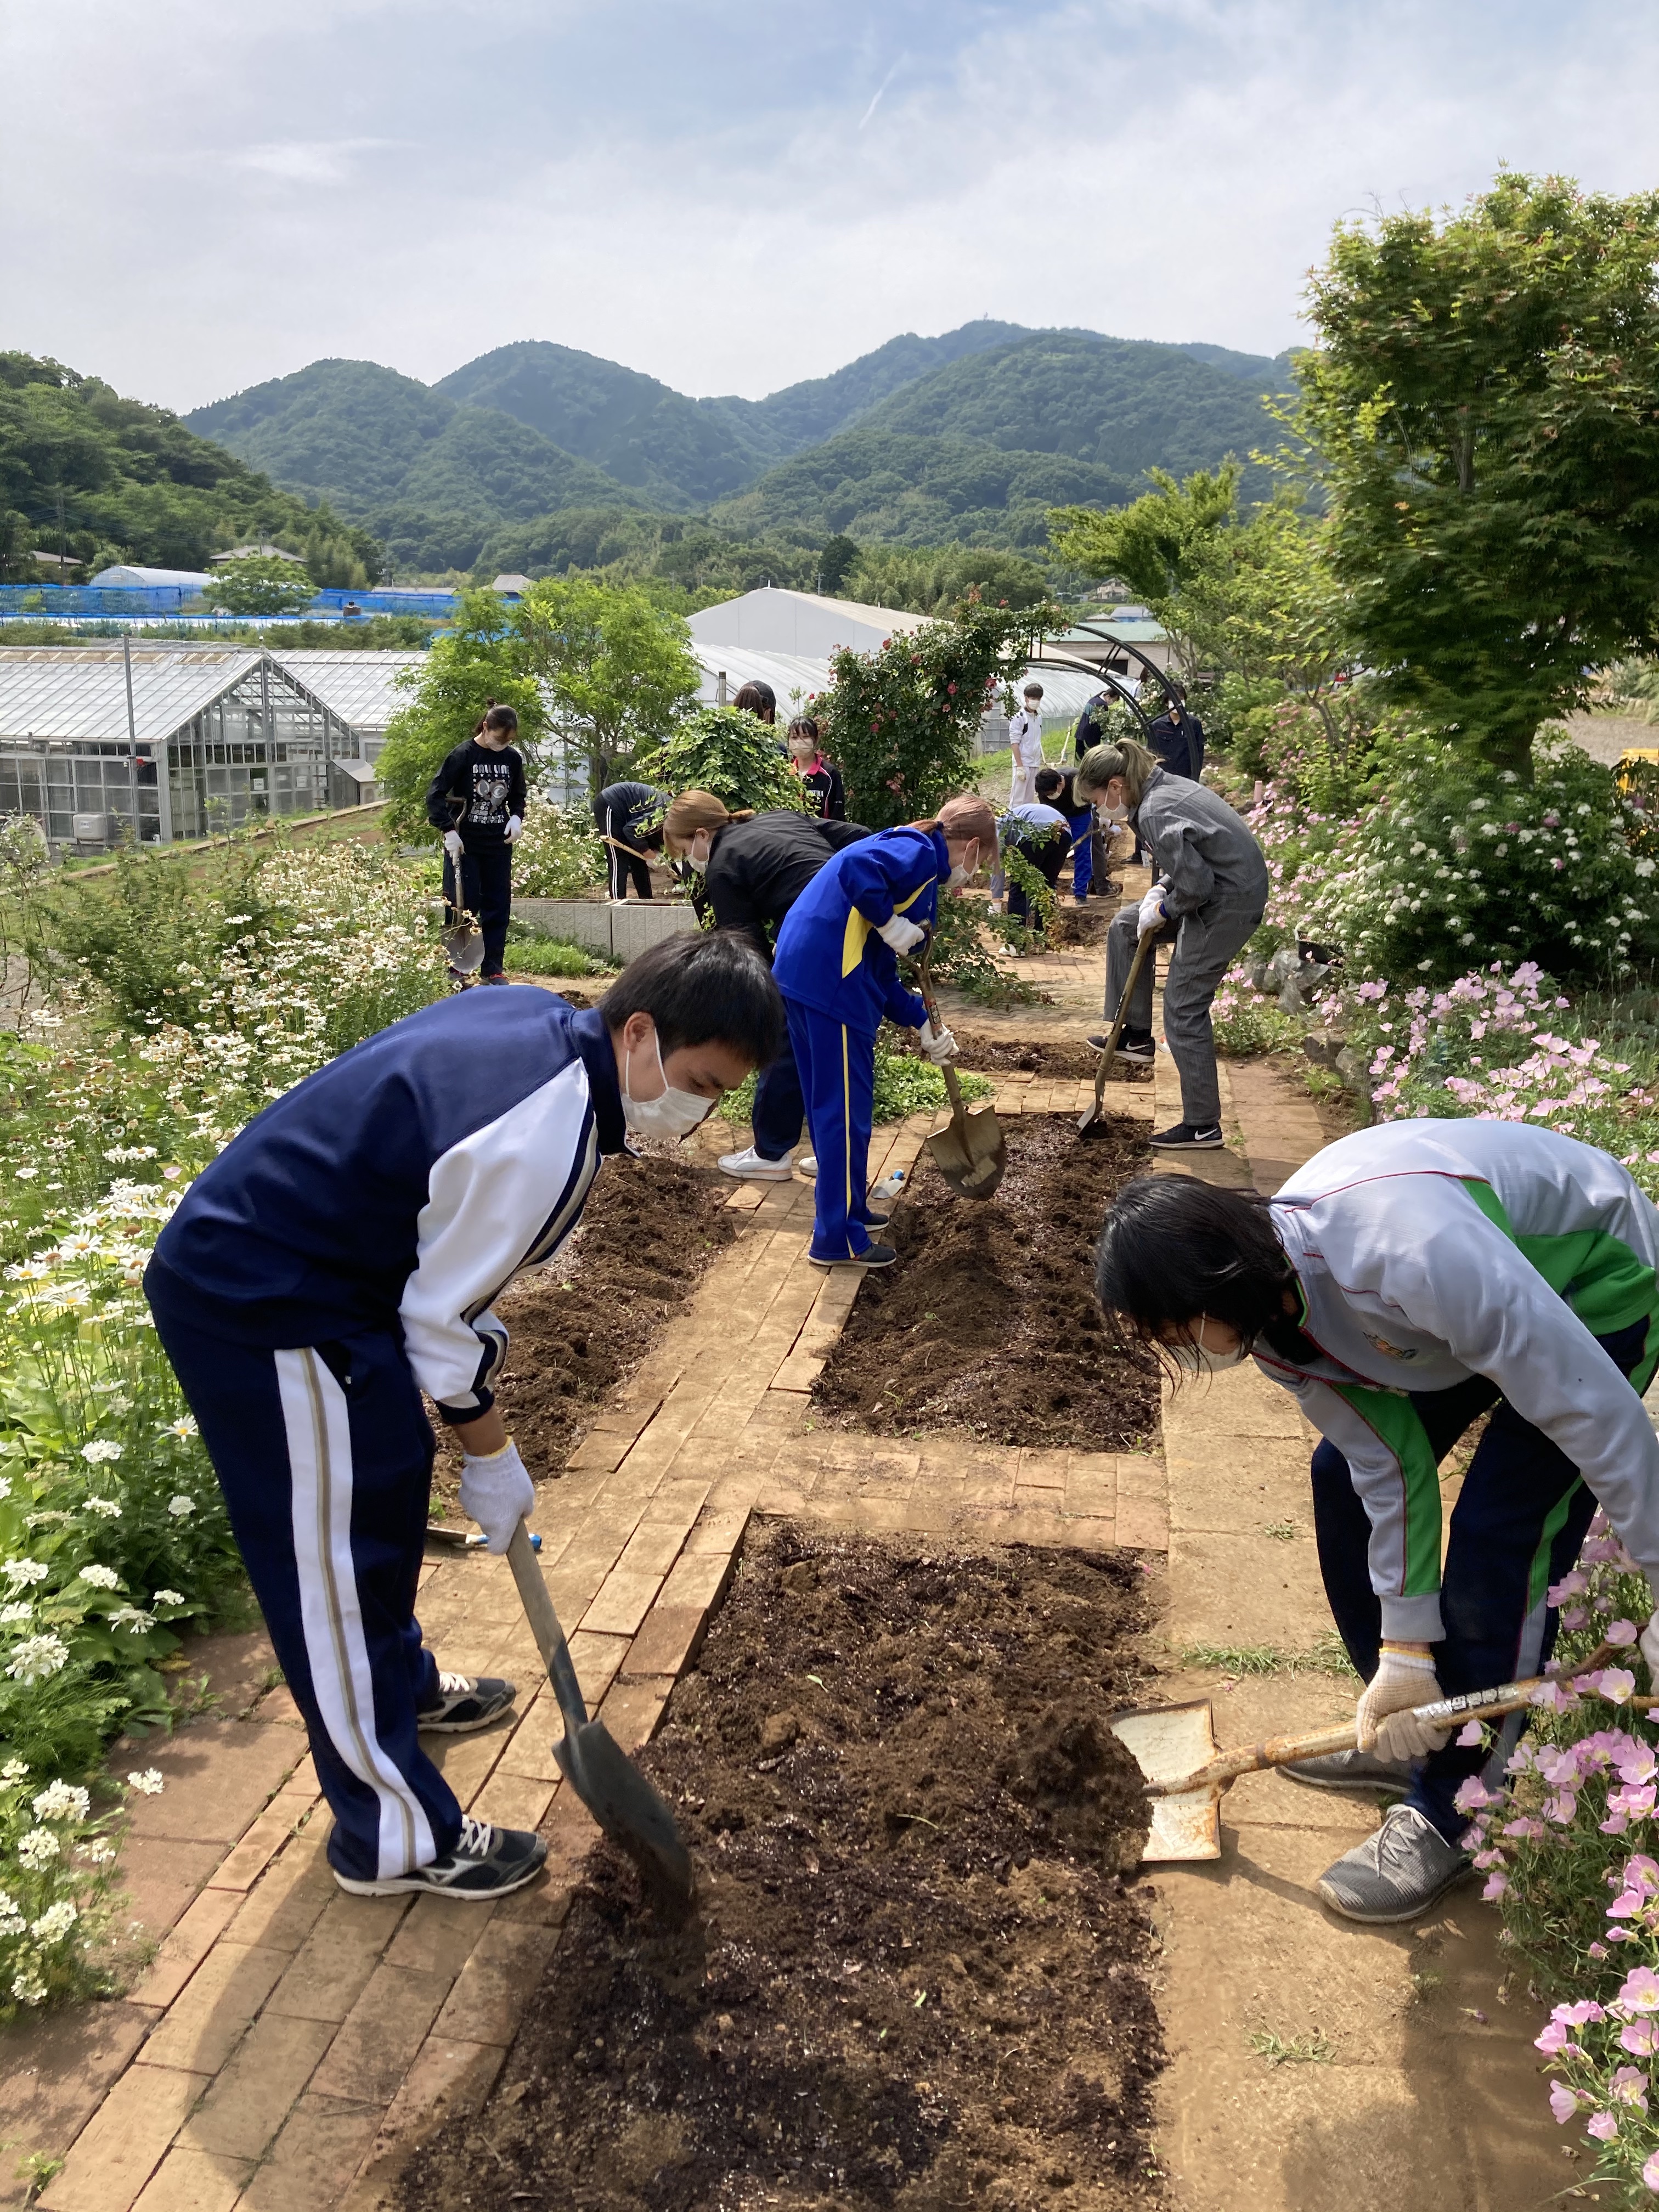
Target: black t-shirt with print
{"type": "Point", "coordinates": [476, 790]}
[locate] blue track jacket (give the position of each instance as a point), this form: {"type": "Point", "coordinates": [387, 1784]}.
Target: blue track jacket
{"type": "Point", "coordinates": [402, 1188]}
{"type": "Point", "coordinates": [829, 955]}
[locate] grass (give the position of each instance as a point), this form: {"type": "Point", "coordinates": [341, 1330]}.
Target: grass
{"type": "Point", "coordinates": [1325, 1655]}
{"type": "Point", "coordinates": [1282, 1532]}
{"type": "Point", "coordinates": [1314, 2048]}
{"type": "Point", "coordinates": [532, 954]}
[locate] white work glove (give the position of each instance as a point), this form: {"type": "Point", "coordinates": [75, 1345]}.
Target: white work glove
{"type": "Point", "coordinates": [938, 1043]}
{"type": "Point", "coordinates": [453, 846]}
{"type": "Point", "coordinates": [1384, 1715]}
{"type": "Point", "coordinates": [496, 1492]}
{"type": "Point", "coordinates": [899, 933]}
{"type": "Point", "coordinates": [514, 829]}
{"type": "Point", "coordinates": [1154, 909]}
{"type": "Point", "coordinates": [1648, 1644]}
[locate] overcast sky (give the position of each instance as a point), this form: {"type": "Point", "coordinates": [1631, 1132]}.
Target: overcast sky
{"type": "Point", "coordinates": [196, 195]}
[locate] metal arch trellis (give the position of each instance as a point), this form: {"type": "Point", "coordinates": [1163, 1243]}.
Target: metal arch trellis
{"type": "Point", "coordinates": [1054, 659]}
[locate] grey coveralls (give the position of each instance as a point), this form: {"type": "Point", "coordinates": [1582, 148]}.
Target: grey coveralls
{"type": "Point", "coordinates": [1217, 884]}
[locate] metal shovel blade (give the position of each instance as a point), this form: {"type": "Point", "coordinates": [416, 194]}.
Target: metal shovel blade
{"type": "Point", "coordinates": [1165, 1742]}
{"type": "Point", "coordinates": [464, 944]}
{"type": "Point", "coordinates": [626, 1806]}
{"type": "Point", "coordinates": [972, 1154]}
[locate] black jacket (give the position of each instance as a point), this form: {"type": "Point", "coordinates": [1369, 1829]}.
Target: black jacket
{"type": "Point", "coordinates": [621, 808]}
{"type": "Point", "coordinates": [1178, 741]}
{"type": "Point", "coordinates": [829, 791]}
{"type": "Point", "coordinates": [474, 790]}
{"type": "Point", "coordinates": [758, 869]}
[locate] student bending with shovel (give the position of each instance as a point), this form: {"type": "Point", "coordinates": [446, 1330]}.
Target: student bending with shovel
{"type": "Point", "coordinates": [1405, 1281]}
{"type": "Point", "coordinates": [342, 1254]}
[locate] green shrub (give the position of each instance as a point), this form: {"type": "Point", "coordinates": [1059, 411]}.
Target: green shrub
{"type": "Point", "coordinates": [904, 1085]}
{"type": "Point", "coordinates": [530, 953]}
{"type": "Point", "coordinates": [732, 753]}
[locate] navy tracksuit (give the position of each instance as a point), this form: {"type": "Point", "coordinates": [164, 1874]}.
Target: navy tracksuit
{"type": "Point", "coordinates": [839, 979]}
{"type": "Point", "coordinates": [338, 1257]}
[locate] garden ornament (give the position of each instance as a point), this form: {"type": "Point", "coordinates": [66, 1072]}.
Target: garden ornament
{"type": "Point", "coordinates": [593, 1762]}
{"type": "Point", "coordinates": [972, 1154]}
{"type": "Point", "coordinates": [1186, 1774]}
{"type": "Point", "coordinates": [1091, 1113]}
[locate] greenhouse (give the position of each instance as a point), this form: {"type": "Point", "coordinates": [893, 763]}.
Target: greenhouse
{"type": "Point", "coordinates": [159, 741]}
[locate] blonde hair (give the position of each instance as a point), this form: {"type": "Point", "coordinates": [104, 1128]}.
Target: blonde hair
{"type": "Point", "coordinates": [1127, 759]}
{"type": "Point", "coordinates": [697, 810]}
{"type": "Point", "coordinates": [963, 818]}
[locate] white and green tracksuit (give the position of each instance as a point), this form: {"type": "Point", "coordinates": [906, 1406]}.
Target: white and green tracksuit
{"type": "Point", "coordinates": [1431, 1253]}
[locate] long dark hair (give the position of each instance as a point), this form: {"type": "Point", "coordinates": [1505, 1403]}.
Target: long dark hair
{"type": "Point", "coordinates": [498, 718]}
{"type": "Point", "coordinates": [760, 699]}
{"type": "Point", "coordinates": [1173, 1248]}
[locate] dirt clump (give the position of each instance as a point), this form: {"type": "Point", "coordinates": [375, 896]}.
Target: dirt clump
{"type": "Point", "coordinates": [1070, 926]}
{"type": "Point", "coordinates": [989, 1321]}
{"type": "Point", "coordinates": [650, 1229]}
{"type": "Point", "coordinates": [991, 1055]}
{"type": "Point", "coordinates": [918, 1977]}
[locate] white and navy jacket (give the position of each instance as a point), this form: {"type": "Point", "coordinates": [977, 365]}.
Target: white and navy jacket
{"type": "Point", "coordinates": [402, 1188]}
{"type": "Point", "coordinates": [1428, 1251]}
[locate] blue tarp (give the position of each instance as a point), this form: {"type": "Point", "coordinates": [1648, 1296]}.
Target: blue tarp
{"type": "Point", "coordinates": [138, 602]}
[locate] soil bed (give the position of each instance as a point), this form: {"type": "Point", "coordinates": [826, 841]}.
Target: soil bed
{"type": "Point", "coordinates": [916, 1977]}
{"type": "Point", "coordinates": [996, 1055]}
{"type": "Point", "coordinates": [650, 1229]}
{"type": "Point", "coordinates": [1071, 926]}
{"type": "Point", "coordinates": [989, 1321]}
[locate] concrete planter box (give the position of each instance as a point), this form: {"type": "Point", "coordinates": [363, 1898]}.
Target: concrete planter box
{"type": "Point", "coordinates": [618, 931]}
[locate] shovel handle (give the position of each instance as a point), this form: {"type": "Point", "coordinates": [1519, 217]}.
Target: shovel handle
{"type": "Point", "coordinates": [952, 1088]}
{"type": "Point", "coordinates": [544, 1627]}
{"type": "Point", "coordinates": [1318, 1743]}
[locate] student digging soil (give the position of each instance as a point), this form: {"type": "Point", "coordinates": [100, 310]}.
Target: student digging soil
{"type": "Point", "coordinates": [477, 799]}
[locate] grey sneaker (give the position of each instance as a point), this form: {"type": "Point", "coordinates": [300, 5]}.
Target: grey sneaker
{"type": "Point", "coordinates": [1352, 1770]}
{"type": "Point", "coordinates": [465, 1702]}
{"type": "Point", "coordinates": [1394, 1874]}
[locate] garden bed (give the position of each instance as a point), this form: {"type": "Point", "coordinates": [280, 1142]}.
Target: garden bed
{"type": "Point", "coordinates": [651, 1228]}
{"type": "Point", "coordinates": [1072, 927]}
{"type": "Point", "coordinates": [917, 1976]}
{"type": "Point", "coordinates": [1002, 1055]}
{"type": "Point", "coordinates": [989, 1321]}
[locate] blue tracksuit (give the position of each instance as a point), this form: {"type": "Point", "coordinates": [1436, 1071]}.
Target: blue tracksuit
{"type": "Point", "coordinates": [338, 1257]}
{"type": "Point", "coordinates": [839, 981]}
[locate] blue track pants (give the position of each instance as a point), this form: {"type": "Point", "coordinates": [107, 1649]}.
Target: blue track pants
{"type": "Point", "coordinates": [1082, 860]}
{"type": "Point", "coordinates": [1515, 1529]}
{"type": "Point", "coordinates": [780, 1109]}
{"type": "Point", "coordinates": [837, 1069]}
{"type": "Point", "coordinates": [324, 1455]}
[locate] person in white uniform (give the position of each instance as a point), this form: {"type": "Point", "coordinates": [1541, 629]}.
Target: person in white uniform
{"type": "Point", "coordinates": [1405, 1281]}
{"type": "Point", "coordinates": [1025, 740]}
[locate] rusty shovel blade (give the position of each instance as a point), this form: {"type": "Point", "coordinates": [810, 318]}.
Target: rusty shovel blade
{"type": "Point", "coordinates": [1166, 1742]}
{"type": "Point", "coordinates": [972, 1153]}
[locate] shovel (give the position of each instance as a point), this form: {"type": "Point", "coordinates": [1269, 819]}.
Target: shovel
{"type": "Point", "coordinates": [1186, 1776]}
{"type": "Point", "coordinates": [591, 1760]}
{"type": "Point", "coordinates": [1091, 1113]}
{"type": "Point", "coordinates": [463, 942]}
{"type": "Point", "coordinates": [972, 1154]}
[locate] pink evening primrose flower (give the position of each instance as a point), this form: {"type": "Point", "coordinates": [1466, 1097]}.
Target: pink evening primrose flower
{"type": "Point", "coordinates": [1497, 1886]}
{"type": "Point", "coordinates": [1650, 2174]}
{"type": "Point", "coordinates": [1617, 1683]}
{"type": "Point", "coordinates": [1629, 2085]}
{"type": "Point", "coordinates": [1636, 1762]}
{"type": "Point", "coordinates": [1579, 2013]}
{"type": "Point", "coordinates": [1620, 1632]}
{"type": "Point", "coordinates": [1471, 1734]}
{"type": "Point", "coordinates": [1602, 2126]}
{"type": "Point", "coordinates": [1639, 1991]}
{"type": "Point", "coordinates": [1564, 2103]}
{"type": "Point", "coordinates": [1562, 1808]}
{"type": "Point", "coordinates": [1640, 2037]}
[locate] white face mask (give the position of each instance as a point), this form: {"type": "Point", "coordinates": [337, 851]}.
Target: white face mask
{"type": "Point", "coordinates": [1114, 815]}
{"type": "Point", "coordinates": [675, 1113]}
{"type": "Point", "coordinates": [959, 876]}
{"type": "Point", "coordinates": [1197, 1358]}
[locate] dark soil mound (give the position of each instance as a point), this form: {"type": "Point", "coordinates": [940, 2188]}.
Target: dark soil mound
{"type": "Point", "coordinates": [1073, 926]}
{"type": "Point", "coordinates": [989, 1321]}
{"type": "Point", "coordinates": [917, 1979]}
{"type": "Point", "coordinates": [992, 1055]}
{"type": "Point", "coordinates": [650, 1229]}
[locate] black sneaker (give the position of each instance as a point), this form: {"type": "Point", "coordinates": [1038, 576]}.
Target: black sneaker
{"type": "Point", "coordinates": [465, 1701]}
{"type": "Point", "coordinates": [1134, 1044]}
{"type": "Point", "coordinates": [1352, 1770]}
{"type": "Point", "coordinates": [486, 1862]}
{"type": "Point", "coordinates": [1185, 1137]}
{"type": "Point", "coordinates": [875, 1220]}
{"type": "Point", "coordinates": [874, 1255]}
{"type": "Point", "coordinates": [1394, 1874]}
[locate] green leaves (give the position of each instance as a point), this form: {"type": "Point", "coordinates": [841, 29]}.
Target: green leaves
{"type": "Point", "coordinates": [619, 667]}
{"type": "Point", "coordinates": [732, 753]}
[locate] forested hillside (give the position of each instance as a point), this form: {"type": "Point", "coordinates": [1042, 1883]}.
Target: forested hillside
{"type": "Point", "coordinates": [116, 480]}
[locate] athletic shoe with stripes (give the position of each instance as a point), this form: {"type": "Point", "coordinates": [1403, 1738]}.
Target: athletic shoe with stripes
{"type": "Point", "coordinates": [466, 1701]}
{"type": "Point", "coordinates": [1394, 1874]}
{"type": "Point", "coordinates": [486, 1862]}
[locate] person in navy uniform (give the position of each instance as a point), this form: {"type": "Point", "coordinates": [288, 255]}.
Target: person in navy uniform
{"type": "Point", "coordinates": [629, 816]}
{"type": "Point", "coordinates": [820, 778]}
{"type": "Point", "coordinates": [344, 1254]}
{"type": "Point", "coordinates": [836, 964]}
{"type": "Point", "coordinates": [477, 799]}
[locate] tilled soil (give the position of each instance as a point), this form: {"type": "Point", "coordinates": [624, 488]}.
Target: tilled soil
{"type": "Point", "coordinates": [995, 1056]}
{"type": "Point", "coordinates": [989, 1321]}
{"type": "Point", "coordinates": [1071, 926]}
{"type": "Point", "coordinates": [916, 1977]}
{"type": "Point", "coordinates": [650, 1229]}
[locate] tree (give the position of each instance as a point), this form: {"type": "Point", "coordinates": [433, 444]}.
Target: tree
{"type": "Point", "coordinates": [262, 584]}
{"type": "Point", "coordinates": [901, 721]}
{"type": "Point", "coordinates": [840, 555]}
{"type": "Point", "coordinates": [1485, 405]}
{"type": "Point", "coordinates": [478, 663]}
{"type": "Point", "coordinates": [619, 669]}
{"type": "Point", "coordinates": [1173, 545]}
{"type": "Point", "coordinates": [927, 582]}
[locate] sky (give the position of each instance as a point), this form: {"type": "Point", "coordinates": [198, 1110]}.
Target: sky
{"type": "Point", "coordinates": [735, 194]}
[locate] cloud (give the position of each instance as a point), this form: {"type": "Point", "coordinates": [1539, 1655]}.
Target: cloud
{"type": "Point", "coordinates": [711, 192]}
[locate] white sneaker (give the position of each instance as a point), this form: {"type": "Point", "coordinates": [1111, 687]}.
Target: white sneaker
{"type": "Point", "coordinates": [751, 1167]}
{"type": "Point", "coordinates": [808, 1164]}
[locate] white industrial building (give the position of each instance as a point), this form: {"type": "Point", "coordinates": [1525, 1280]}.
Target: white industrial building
{"type": "Point", "coordinates": [159, 741]}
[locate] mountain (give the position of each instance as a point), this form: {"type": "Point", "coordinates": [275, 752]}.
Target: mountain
{"type": "Point", "coordinates": [1121, 404]}
{"type": "Point", "coordinates": [884, 486]}
{"type": "Point", "coordinates": [119, 479]}
{"type": "Point", "coordinates": [1267, 373]}
{"type": "Point", "coordinates": [366, 438]}
{"type": "Point", "coordinates": [681, 453]}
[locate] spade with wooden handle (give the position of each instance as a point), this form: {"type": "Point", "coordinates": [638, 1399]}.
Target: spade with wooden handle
{"type": "Point", "coordinates": [1091, 1113]}
{"type": "Point", "coordinates": [972, 1154]}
